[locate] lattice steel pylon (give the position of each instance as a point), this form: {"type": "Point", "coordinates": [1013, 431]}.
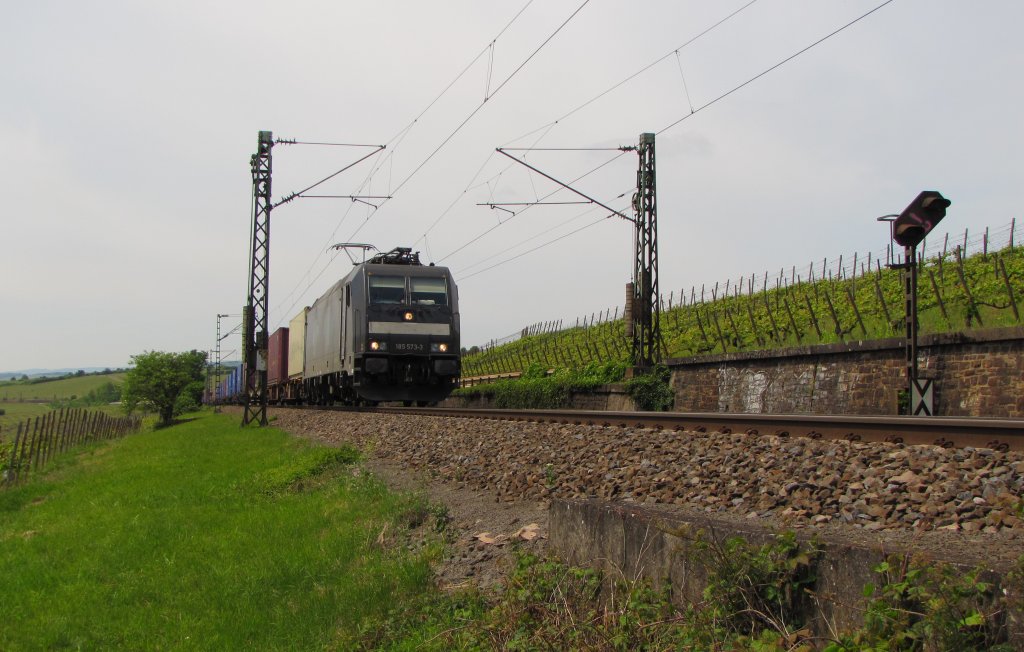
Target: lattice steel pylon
{"type": "Point", "coordinates": [217, 369]}
{"type": "Point", "coordinates": [646, 347]}
{"type": "Point", "coordinates": [255, 318]}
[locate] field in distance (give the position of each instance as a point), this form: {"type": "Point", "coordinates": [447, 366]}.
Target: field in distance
{"type": "Point", "coordinates": [57, 389]}
{"type": "Point", "coordinates": [21, 400]}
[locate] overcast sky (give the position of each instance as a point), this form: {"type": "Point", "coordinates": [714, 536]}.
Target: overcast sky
{"type": "Point", "coordinates": [127, 129]}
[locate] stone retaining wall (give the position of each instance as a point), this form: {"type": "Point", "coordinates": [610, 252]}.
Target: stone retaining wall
{"type": "Point", "coordinates": [978, 374]}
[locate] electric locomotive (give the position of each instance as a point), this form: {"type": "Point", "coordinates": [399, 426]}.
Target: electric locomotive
{"type": "Point", "coordinates": [387, 331]}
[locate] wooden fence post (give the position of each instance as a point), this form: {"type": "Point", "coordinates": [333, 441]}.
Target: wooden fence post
{"type": "Point", "coordinates": [856, 310]}
{"type": "Point", "coordinates": [700, 325]}
{"type": "Point", "coordinates": [792, 321]}
{"type": "Point", "coordinates": [881, 301]}
{"type": "Point", "coordinates": [753, 325]}
{"type": "Point", "coordinates": [835, 316]}
{"type": "Point", "coordinates": [1009, 288]}
{"type": "Point", "coordinates": [972, 307]}
{"type": "Point", "coordinates": [938, 295]}
{"type": "Point", "coordinates": [11, 468]}
{"type": "Point", "coordinates": [718, 329]}
{"type": "Point", "coordinates": [736, 331]}
{"type": "Point", "coordinates": [38, 443]}
{"type": "Point", "coordinates": [771, 317]}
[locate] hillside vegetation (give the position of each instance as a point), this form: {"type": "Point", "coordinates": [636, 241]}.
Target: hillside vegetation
{"type": "Point", "coordinates": [955, 293]}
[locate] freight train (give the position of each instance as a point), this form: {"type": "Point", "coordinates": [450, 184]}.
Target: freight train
{"type": "Point", "coordinates": [386, 332]}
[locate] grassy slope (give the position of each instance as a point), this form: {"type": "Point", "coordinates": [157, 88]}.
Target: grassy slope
{"type": "Point", "coordinates": [764, 320]}
{"type": "Point", "coordinates": [59, 389]}
{"type": "Point", "coordinates": [171, 540]}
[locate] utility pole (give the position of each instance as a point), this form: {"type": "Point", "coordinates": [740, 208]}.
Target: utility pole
{"type": "Point", "coordinates": [254, 316]}
{"type": "Point", "coordinates": [642, 310]}
{"type": "Point", "coordinates": [217, 368]}
{"type": "Point", "coordinates": [211, 383]}
{"type": "Point", "coordinates": [646, 328]}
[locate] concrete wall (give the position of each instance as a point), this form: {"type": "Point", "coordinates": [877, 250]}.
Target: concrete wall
{"type": "Point", "coordinates": [632, 541]}
{"type": "Point", "coordinates": [976, 374]}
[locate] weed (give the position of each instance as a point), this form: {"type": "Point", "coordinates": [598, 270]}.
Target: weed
{"type": "Point", "coordinates": [921, 605]}
{"type": "Point", "coordinates": [755, 592]}
{"type": "Point", "coordinates": [550, 477]}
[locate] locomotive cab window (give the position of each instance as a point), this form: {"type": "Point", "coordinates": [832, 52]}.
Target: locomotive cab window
{"type": "Point", "coordinates": [387, 289]}
{"type": "Point", "coordinates": [429, 291]}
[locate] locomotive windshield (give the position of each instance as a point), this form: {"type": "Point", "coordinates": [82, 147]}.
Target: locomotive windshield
{"type": "Point", "coordinates": [387, 289]}
{"type": "Point", "coordinates": [427, 291]}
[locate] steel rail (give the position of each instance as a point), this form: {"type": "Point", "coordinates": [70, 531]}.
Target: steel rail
{"type": "Point", "coordinates": [949, 432]}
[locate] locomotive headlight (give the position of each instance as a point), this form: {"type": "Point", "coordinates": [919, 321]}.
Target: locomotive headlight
{"type": "Point", "coordinates": [378, 346]}
{"type": "Point", "coordinates": [439, 347]}
{"type": "Point", "coordinates": [408, 316]}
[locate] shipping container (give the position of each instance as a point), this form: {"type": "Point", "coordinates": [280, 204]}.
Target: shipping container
{"type": "Point", "coordinates": [277, 360]}
{"type": "Point", "coordinates": [323, 333]}
{"type": "Point", "coordinates": [297, 344]}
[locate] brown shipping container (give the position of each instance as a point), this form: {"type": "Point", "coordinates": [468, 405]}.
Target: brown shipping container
{"type": "Point", "coordinates": [277, 365]}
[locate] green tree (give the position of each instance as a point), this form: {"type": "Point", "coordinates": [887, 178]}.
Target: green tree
{"type": "Point", "coordinates": [163, 382]}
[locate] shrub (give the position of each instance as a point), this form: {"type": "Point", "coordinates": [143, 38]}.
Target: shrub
{"type": "Point", "coordinates": [537, 390]}
{"type": "Point", "coordinates": [652, 392]}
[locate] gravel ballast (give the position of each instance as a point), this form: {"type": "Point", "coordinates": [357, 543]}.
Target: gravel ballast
{"type": "Point", "coordinates": [858, 487]}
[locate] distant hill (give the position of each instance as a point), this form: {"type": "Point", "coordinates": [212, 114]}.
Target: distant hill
{"type": "Point", "coordinates": [40, 373]}
{"type": "Point", "coordinates": [58, 373]}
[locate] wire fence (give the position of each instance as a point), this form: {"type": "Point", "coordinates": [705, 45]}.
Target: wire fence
{"type": "Point", "coordinates": [40, 439]}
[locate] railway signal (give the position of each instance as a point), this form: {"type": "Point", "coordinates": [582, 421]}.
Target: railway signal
{"type": "Point", "coordinates": [909, 228]}
{"type": "Point", "coordinates": [918, 219]}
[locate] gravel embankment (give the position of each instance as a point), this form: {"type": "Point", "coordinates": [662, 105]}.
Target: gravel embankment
{"type": "Point", "coordinates": [793, 481]}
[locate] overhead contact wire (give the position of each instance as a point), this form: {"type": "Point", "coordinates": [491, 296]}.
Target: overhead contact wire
{"type": "Point", "coordinates": [693, 111]}
{"type": "Point", "coordinates": [399, 137]}
{"type": "Point", "coordinates": [538, 247]}
{"type": "Point", "coordinates": [552, 193]}
{"type": "Point", "coordinates": [777, 65]}
{"type": "Point", "coordinates": [495, 92]}
{"type": "Point", "coordinates": [637, 73]}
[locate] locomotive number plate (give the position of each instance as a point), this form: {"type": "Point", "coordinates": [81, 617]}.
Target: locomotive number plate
{"type": "Point", "coordinates": [409, 347]}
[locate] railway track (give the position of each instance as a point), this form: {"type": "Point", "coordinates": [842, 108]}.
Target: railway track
{"type": "Point", "coordinates": [949, 432]}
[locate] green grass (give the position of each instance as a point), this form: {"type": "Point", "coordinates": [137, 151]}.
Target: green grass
{"type": "Point", "coordinates": [202, 536]}
{"type": "Point", "coordinates": [15, 413]}
{"type": "Point", "coordinates": [50, 390]}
